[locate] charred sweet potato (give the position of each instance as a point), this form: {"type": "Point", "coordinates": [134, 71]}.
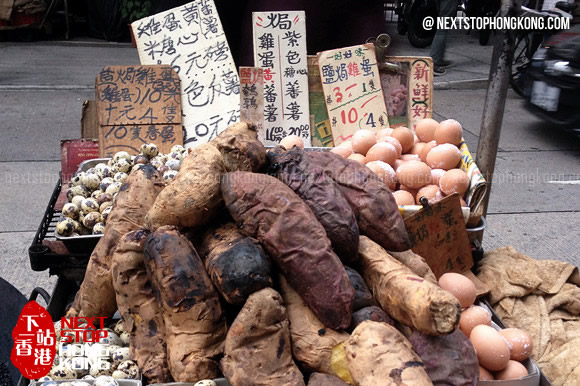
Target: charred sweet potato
{"type": "Point", "coordinates": [405, 296]}
{"type": "Point", "coordinates": [319, 379]}
{"type": "Point", "coordinates": [258, 350]}
{"type": "Point", "coordinates": [193, 197]}
{"type": "Point", "coordinates": [362, 294]}
{"type": "Point", "coordinates": [311, 343]}
{"type": "Point", "coordinates": [236, 264]}
{"type": "Point", "coordinates": [374, 313]}
{"type": "Point", "coordinates": [140, 311]}
{"type": "Point", "coordinates": [371, 200]}
{"type": "Point", "coordinates": [378, 354]}
{"type": "Point", "coordinates": [194, 323]}
{"type": "Point", "coordinates": [268, 210]}
{"type": "Point", "coordinates": [96, 297]}
{"type": "Point", "coordinates": [323, 197]}
{"type": "Point", "coordinates": [415, 263]}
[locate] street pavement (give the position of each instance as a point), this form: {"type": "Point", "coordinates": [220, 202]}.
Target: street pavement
{"type": "Point", "coordinates": [534, 201]}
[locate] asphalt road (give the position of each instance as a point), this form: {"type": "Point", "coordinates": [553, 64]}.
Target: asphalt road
{"type": "Point", "coordinates": [534, 201]}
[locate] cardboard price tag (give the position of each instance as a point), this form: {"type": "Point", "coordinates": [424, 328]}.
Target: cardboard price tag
{"type": "Point", "coordinates": [438, 234]}
{"type": "Point", "coordinates": [137, 105]}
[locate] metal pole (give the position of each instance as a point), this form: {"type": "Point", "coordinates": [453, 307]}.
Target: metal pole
{"type": "Point", "coordinates": [493, 109]}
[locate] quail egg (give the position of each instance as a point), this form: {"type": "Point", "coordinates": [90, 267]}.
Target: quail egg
{"type": "Point", "coordinates": [70, 210]}
{"type": "Point", "coordinates": [177, 149]}
{"type": "Point", "coordinates": [175, 155]}
{"type": "Point", "coordinates": [156, 163]}
{"type": "Point", "coordinates": [120, 177]}
{"type": "Point", "coordinates": [89, 205]}
{"type": "Point", "coordinates": [98, 371]}
{"type": "Point", "coordinates": [205, 382]}
{"type": "Point", "coordinates": [105, 205]}
{"type": "Point", "coordinates": [119, 327]}
{"type": "Point", "coordinates": [88, 377]}
{"type": "Point", "coordinates": [137, 167]}
{"type": "Point", "coordinates": [99, 228]}
{"type": "Point", "coordinates": [141, 160]}
{"type": "Point", "coordinates": [149, 149]}
{"type": "Point", "coordinates": [169, 175]}
{"type": "Point", "coordinates": [44, 379]}
{"type": "Point", "coordinates": [77, 200]}
{"type": "Point", "coordinates": [106, 197]}
{"type": "Point", "coordinates": [121, 155]}
{"type": "Point", "coordinates": [76, 179]}
{"type": "Point", "coordinates": [173, 164]}
{"type": "Point", "coordinates": [96, 194]}
{"type": "Point", "coordinates": [105, 182]}
{"type": "Point", "coordinates": [103, 170]}
{"type": "Point", "coordinates": [123, 165]}
{"type": "Point", "coordinates": [130, 368]}
{"type": "Point", "coordinates": [62, 372]}
{"type": "Point", "coordinates": [80, 190]}
{"type": "Point", "coordinates": [105, 213]}
{"type": "Point", "coordinates": [111, 338]}
{"type": "Point", "coordinates": [125, 338]}
{"type": "Point", "coordinates": [91, 180]}
{"type": "Point", "coordinates": [91, 219]}
{"type": "Point", "coordinates": [120, 355]}
{"type": "Point", "coordinates": [66, 226]}
{"type": "Point", "coordinates": [114, 188]}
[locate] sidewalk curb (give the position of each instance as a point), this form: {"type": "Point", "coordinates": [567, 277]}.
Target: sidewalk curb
{"type": "Point", "coordinates": [469, 84]}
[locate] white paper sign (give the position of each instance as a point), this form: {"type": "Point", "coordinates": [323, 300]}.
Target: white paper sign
{"type": "Point", "coordinates": [191, 39]}
{"type": "Point", "coordinates": [280, 49]}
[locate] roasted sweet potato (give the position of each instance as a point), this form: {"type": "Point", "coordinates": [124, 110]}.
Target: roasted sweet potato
{"type": "Point", "coordinates": [319, 379]}
{"type": "Point", "coordinates": [378, 354]}
{"type": "Point", "coordinates": [193, 197]}
{"type": "Point", "coordinates": [415, 263]}
{"type": "Point", "coordinates": [371, 200]}
{"type": "Point", "coordinates": [448, 359]}
{"type": "Point", "coordinates": [405, 296]}
{"type": "Point", "coordinates": [323, 197]}
{"type": "Point", "coordinates": [258, 349]}
{"type": "Point", "coordinates": [139, 309]}
{"type": "Point", "coordinates": [194, 323]}
{"type": "Point", "coordinates": [268, 210]}
{"type": "Point", "coordinates": [374, 313]}
{"type": "Point", "coordinates": [236, 264]}
{"type": "Point", "coordinates": [362, 294]}
{"type": "Point", "coordinates": [96, 297]}
{"type": "Point", "coordinates": [311, 343]}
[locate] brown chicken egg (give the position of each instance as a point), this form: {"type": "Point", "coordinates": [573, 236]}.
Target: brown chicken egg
{"type": "Point", "coordinates": [492, 349]}
{"type": "Point", "coordinates": [485, 375]}
{"type": "Point", "coordinates": [449, 131]}
{"type": "Point", "coordinates": [431, 192]}
{"type": "Point", "coordinates": [407, 189]}
{"type": "Point", "coordinates": [342, 151]}
{"type": "Point", "coordinates": [460, 286]}
{"type": "Point", "coordinates": [416, 139]}
{"type": "Point", "coordinates": [384, 132]}
{"type": "Point", "coordinates": [410, 157]}
{"type": "Point", "coordinates": [520, 343]}
{"type": "Point", "coordinates": [357, 157]}
{"type": "Point", "coordinates": [398, 162]}
{"type": "Point", "coordinates": [425, 129]}
{"type": "Point", "coordinates": [405, 137]}
{"type": "Point", "coordinates": [417, 149]}
{"type": "Point", "coordinates": [292, 140]}
{"type": "Point", "coordinates": [513, 370]}
{"type": "Point", "coordinates": [446, 156]}
{"type": "Point", "coordinates": [473, 316]}
{"type": "Point", "coordinates": [402, 197]}
{"type": "Point", "coordinates": [395, 143]}
{"type": "Point", "coordinates": [436, 175]}
{"type": "Point", "coordinates": [426, 149]}
{"type": "Point", "coordinates": [414, 174]}
{"type": "Point", "coordinates": [346, 144]}
{"type": "Point", "coordinates": [363, 140]}
{"type": "Point", "coordinates": [454, 181]}
{"type": "Point", "coordinates": [385, 173]}
{"type": "Point", "coordinates": [382, 151]}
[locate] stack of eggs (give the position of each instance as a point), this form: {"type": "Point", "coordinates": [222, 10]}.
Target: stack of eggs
{"type": "Point", "coordinates": [413, 165]}
{"type": "Point", "coordinates": [499, 352]}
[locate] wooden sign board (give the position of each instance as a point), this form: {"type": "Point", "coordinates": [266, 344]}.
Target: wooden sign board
{"type": "Point", "coordinates": [137, 105]}
{"type": "Point", "coordinates": [252, 97]}
{"type": "Point", "coordinates": [280, 49]}
{"type": "Point", "coordinates": [190, 38]}
{"type": "Point", "coordinates": [408, 92]}
{"type": "Point", "coordinates": [438, 234]}
{"type": "Point", "coordinates": [352, 91]}
{"type": "Point", "coordinates": [320, 125]}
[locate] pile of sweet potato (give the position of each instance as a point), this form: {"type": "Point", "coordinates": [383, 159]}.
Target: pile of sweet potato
{"type": "Point", "coordinates": [269, 269]}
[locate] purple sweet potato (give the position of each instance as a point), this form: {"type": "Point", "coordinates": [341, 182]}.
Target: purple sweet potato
{"type": "Point", "coordinates": [268, 210]}
{"type": "Point", "coordinates": [323, 197]}
{"type": "Point", "coordinates": [371, 200]}
{"type": "Point", "coordinates": [362, 294]}
{"type": "Point", "coordinates": [374, 313]}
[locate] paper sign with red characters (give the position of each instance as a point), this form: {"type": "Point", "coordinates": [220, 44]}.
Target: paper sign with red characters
{"type": "Point", "coordinates": [34, 342]}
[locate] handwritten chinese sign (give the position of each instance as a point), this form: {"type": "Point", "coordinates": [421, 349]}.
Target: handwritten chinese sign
{"type": "Point", "coordinates": [320, 127]}
{"type": "Point", "coordinates": [34, 342]}
{"type": "Point", "coordinates": [280, 49]}
{"type": "Point", "coordinates": [352, 90]}
{"type": "Point", "coordinates": [190, 38]}
{"type": "Point", "coordinates": [137, 105]}
{"type": "Point", "coordinates": [438, 233]}
{"type": "Point", "coordinates": [252, 97]}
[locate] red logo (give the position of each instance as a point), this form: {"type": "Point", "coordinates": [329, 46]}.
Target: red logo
{"type": "Point", "coordinates": [34, 342]}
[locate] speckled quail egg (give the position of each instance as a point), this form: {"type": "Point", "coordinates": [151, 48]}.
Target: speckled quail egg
{"type": "Point", "coordinates": [79, 190]}
{"type": "Point", "coordinates": [119, 327]}
{"type": "Point", "coordinates": [137, 167]}
{"type": "Point", "coordinates": [70, 210]}
{"type": "Point", "coordinates": [105, 182]}
{"type": "Point", "coordinates": [169, 175]}
{"type": "Point", "coordinates": [114, 188]}
{"type": "Point", "coordinates": [91, 219]}
{"type": "Point", "coordinates": [96, 194]}
{"type": "Point", "coordinates": [105, 205]}
{"type": "Point", "coordinates": [76, 179]}
{"type": "Point", "coordinates": [120, 177]}
{"type": "Point", "coordinates": [156, 163]}
{"type": "Point", "coordinates": [103, 170]}
{"type": "Point", "coordinates": [121, 155]}
{"type": "Point", "coordinates": [177, 148]}
{"type": "Point", "coordinates": [141, 160]}
{"type": "Point", "coordinates": [89, 205]}
{"type": "Point", "coordinates": [173, 164]}
{"type": "Point", "coordinates": [97, 371]}
{"type": "Point", "coordinates": [57, 329]}
{"type": "Point", "coordinates": [106, 197]}
{"type": "Point", "coordinates": [120, 355]}
{"type": "Point", "coordinates": [163, 169]}
{"type": "Point", "coordinates": [175, 155]}
{"type": "Point", "coordinates": [88, 377]}
{"type": "Point", "coordinates": [62, 372]}
{"type": "Point", "coordinates": [111, 338]}
{"type": "Point", "coordinates": [130, 368]}
{"type": "Point", "coordinates": [91, 180]}
{"type": "Point", "coordinates": [77, 200]}
{"type": "Point", "coordinates": [123, 165]}
{"type": "Point", "coordinates": [149, 149]}
{"type": "Point", "coordinates": [105, 213]}
{"type": "Point", "coordinates": [99, 228]}
{"type": "Point", "coordinates": [78, 227]}
{"type": "Point", "coordinates": [205, 382]}
{"type": "Point", "coordinates": [66, 226]}
{"type": "Point", "coordinates": [125, 338]}
{"type": "Point", "coordinates": [44, 379]}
